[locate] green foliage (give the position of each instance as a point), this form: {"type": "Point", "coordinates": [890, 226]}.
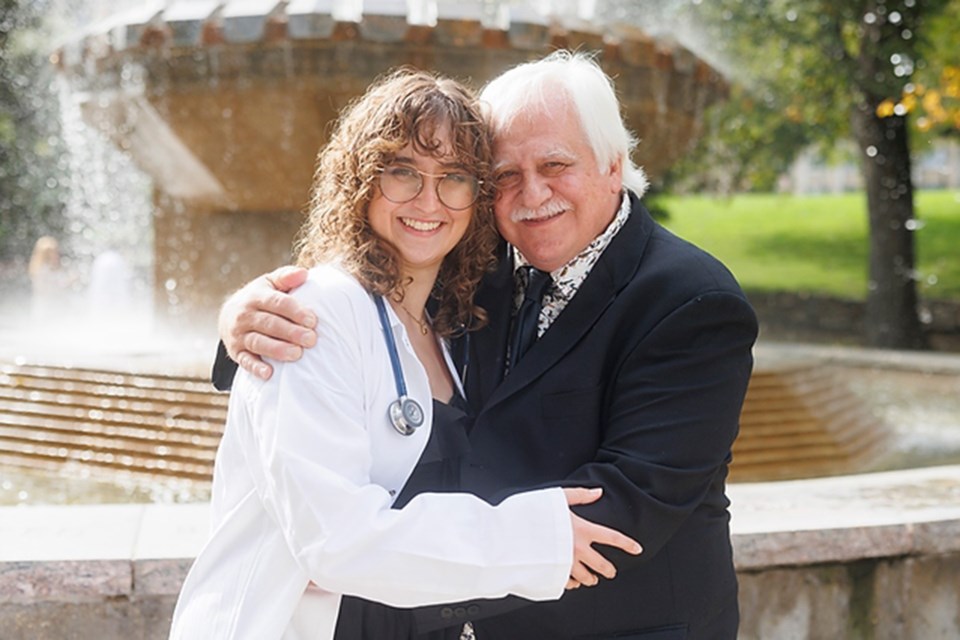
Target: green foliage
{"type": "Point", "coordinates": [800, 66]}
{"type": "Point", "coordinates": [749, 146]}
{"type": "Point", "coordinates": [30, 198]}
{"type": "Point", "coordinates": [815, 244]}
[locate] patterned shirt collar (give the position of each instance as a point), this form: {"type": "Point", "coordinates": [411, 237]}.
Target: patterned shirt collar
{"type": "Point", "coordinates": [568, 278]}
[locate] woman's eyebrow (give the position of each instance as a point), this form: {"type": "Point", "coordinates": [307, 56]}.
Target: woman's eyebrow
{"type": "Point", "coordinates": [453, 164]}
{"type": "Point", "coordinates": [448, 165]}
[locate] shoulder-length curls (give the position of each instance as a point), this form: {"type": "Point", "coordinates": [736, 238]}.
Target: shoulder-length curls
{"type": "Point", "coordinates": [404, 107]}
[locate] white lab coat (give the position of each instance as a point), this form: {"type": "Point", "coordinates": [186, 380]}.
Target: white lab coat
{"type": "Point", "coordinates": [304, 481]}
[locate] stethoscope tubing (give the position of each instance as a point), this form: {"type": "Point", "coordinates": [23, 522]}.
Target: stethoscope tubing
{"type": "Point", "coordinates": [405, 413]}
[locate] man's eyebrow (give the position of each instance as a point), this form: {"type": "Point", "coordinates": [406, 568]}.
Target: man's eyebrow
{"type": "Point", "coordinates": [552, 154]}
{"type": "Point", "coordinates": [559, 153]}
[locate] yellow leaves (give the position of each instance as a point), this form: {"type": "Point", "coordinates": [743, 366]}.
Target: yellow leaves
{"type": "Point", "coordinates": [885, 108]}
{"type": "Point", "coordinates": [793, 113]}
{"type": "Point", "coordinates": [932, 101]}
{"type": "Point", "coordinates": [950, 79]}
{"type": "Point", "coordinates": [908, 102]}
{"type": "Point", "coordinates": [933, 106]}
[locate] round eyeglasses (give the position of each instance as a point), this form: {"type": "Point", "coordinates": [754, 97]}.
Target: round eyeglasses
{"type": "Point", "coordinates": [401, 183]}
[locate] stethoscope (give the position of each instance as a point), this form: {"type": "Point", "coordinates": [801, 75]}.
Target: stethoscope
{"type": "Point", "coordinates": [405, 413]}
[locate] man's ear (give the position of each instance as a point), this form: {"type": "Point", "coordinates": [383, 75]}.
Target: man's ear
{"type": "Point", "coordinates": [616, 175]}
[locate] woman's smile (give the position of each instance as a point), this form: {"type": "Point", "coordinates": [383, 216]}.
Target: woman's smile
{"type": "Point", "coordinates": [421, 225]}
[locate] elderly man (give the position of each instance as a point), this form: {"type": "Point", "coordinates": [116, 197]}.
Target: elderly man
{"type": "Point", "coordinates": [617, 355]}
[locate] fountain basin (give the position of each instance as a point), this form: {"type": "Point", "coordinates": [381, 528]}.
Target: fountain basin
{"type": "Point", "coordinates": [872, 556]}
{"type": "Point", "coordinates": [809, 411]}
{"type": "Point", "coordinates": [798, 420]}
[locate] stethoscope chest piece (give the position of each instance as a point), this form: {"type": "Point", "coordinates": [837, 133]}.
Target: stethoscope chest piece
{"type": "Point", "coordinates": [406, 414]}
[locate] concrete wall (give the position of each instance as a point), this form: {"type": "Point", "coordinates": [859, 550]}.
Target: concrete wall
{"type": "Point", "coordinates": [815, 318]}
{"type": "Point", "coordinates": [881, 599]}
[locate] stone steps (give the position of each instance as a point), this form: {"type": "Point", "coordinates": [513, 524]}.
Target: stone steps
{"type": "Point", "coordinates": [802, 421]}
{"type": "Point", "coordinates": [183, 426]}
{"type": "Point", "coordinates": [85, 402]}
{"type": "Point", "coordinates": [34, 455]}
{"type": "Point", "coordinates": [103, 385]}
{"type": "Point", "coordinates": [798, 421]}
{"type": "Point", "coordinates": [152, 425]}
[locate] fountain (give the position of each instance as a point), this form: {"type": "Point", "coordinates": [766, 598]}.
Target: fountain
{"type": "Point", "coordinates": [224, 105]}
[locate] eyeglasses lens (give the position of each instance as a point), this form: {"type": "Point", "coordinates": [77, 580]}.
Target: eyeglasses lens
{"type": "Point", "coordinates": [403, 184]}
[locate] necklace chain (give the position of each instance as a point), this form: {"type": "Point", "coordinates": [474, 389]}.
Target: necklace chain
{"type": "Point", "coordinates": [423, 324]}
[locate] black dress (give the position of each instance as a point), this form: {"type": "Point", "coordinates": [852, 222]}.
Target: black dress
{"type": "Point", "coordinates": [436, 471]}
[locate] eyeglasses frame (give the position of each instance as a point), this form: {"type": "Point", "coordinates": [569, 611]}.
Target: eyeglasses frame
{"type": "Point", "coordinates": [436, 186]}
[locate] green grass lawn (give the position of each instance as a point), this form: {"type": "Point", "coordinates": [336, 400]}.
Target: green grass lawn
{"type": "Point", "coordinates": [814, 243]}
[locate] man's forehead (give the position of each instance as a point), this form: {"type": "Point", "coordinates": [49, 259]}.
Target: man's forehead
{"type": "Point", "coordinates": [548, 128]}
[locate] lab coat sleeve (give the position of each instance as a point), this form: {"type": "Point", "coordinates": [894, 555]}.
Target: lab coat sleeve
{"type": "Point", "coordinates": [310, 454]}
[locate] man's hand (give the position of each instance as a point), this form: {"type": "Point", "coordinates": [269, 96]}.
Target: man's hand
{"type": "Point", "coordinates": [588, 563]}
{"type": "Point", "coordinates": [261, 319]}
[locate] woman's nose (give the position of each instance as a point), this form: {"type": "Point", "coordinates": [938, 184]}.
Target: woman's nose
{"type": "Point", "coordinates": [428, 198]}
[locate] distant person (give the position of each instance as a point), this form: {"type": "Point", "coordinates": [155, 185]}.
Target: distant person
{"type": "Point", "coordinates": [314, 461]}
{"type": "Point", "coordinates": [110, 292]}
{"type": "Point", "coordinates": [49, 283]}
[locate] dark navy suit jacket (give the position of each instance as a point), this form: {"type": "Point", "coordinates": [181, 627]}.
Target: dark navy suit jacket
{"type": "Point", "coordinates": [637, 388]}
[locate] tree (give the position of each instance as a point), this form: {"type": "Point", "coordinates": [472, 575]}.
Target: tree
{"type": "Point", "coordinates": [820, 70]}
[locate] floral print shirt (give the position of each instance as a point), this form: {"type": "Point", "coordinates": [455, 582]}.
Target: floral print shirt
{"type": "Point", "coordinates": [568, 278]}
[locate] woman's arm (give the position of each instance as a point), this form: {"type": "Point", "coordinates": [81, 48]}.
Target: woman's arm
{"type": "Point", "coordinates": [310, 452]}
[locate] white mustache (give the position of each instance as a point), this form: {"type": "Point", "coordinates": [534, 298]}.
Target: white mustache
{"type": "Point", "coordinates": [549, 208]}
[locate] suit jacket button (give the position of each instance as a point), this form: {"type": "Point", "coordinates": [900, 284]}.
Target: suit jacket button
{"type": "Point", "coordinates": [460, 612]}
{"type": "Point", "coordinates": [473, 610]}
{"type": "Point", "coordinates": [446, 613]}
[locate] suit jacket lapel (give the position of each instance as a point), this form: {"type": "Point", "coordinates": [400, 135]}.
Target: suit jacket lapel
{"type": "Point", "coordinates": [615, 268]}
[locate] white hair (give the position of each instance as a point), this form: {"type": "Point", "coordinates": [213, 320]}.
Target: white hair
{"type": "Point", "coordinates": [533, 87]}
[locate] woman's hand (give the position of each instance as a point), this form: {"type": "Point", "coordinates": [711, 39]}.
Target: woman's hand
{"type": "Point", "coordinates": [261, 319]}
{"type": "Point", "coordinates": [588, 563]}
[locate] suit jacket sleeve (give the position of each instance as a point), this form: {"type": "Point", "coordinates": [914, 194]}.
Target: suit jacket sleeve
{"type": "Point", "coordinates": [224, 370]}
{"type": "Point", "coordinates": [672, 419]}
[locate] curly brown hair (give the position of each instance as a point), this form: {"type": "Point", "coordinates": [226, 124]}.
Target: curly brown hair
{"type": "Point", "coordinates": [406, 106]}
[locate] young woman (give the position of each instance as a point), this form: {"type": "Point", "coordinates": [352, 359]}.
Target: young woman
{"type": "Point", "coordinates": [312, 461]}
